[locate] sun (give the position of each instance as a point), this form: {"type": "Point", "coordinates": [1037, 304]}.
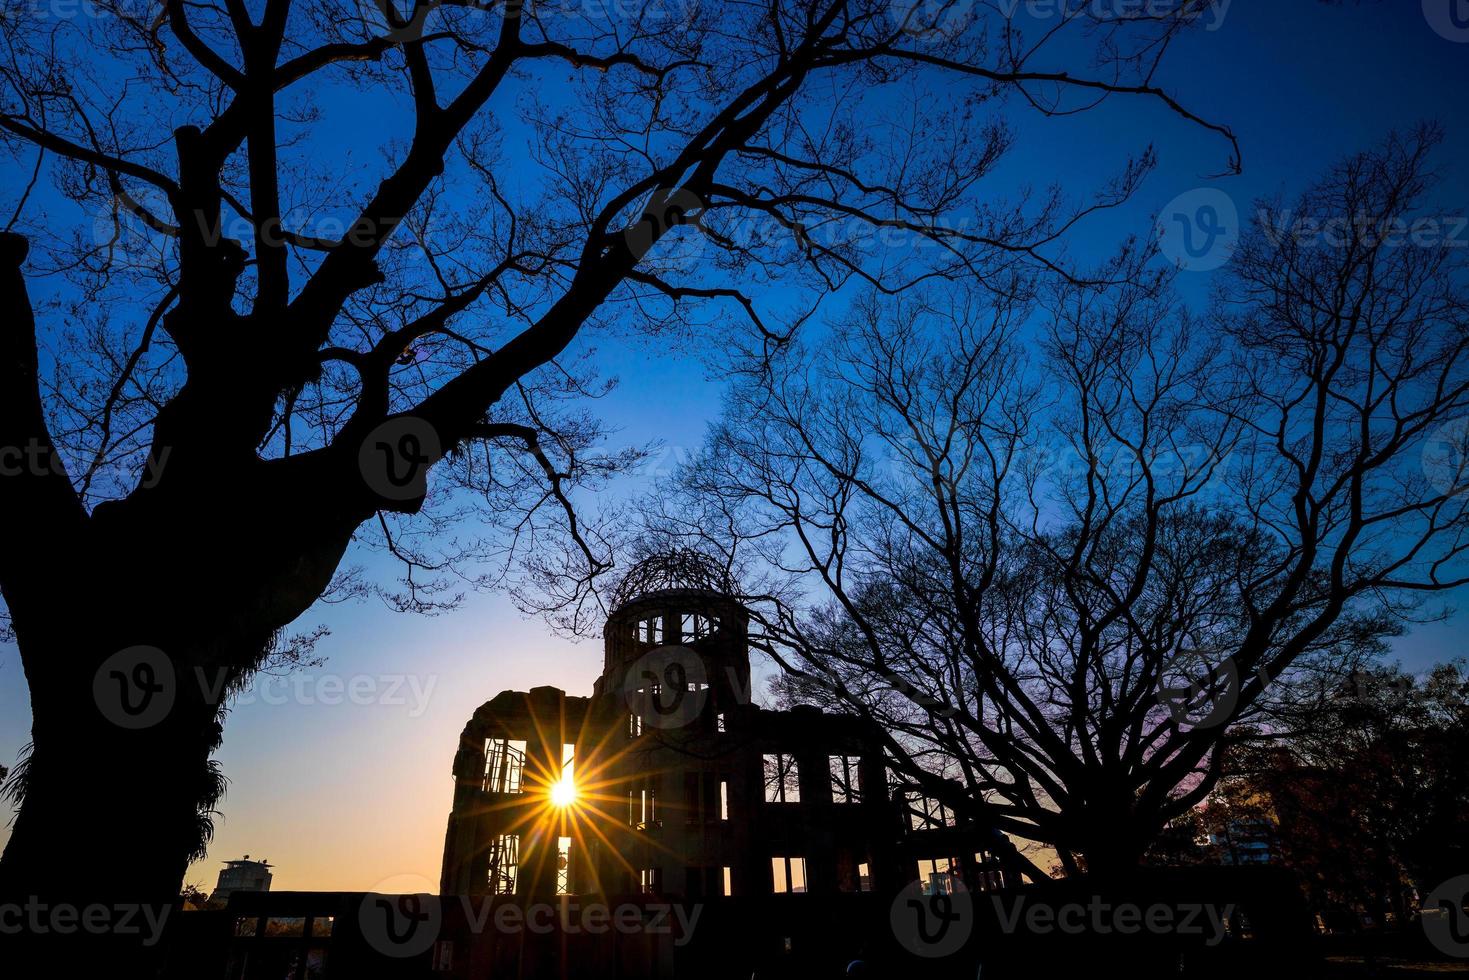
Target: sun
{"type": "Point", "coordinates": [563, 794]}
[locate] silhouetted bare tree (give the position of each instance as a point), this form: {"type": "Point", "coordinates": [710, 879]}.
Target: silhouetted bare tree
{"type": "Point", "coordinates": [222, 387]}
{"type": "Point", "coordinates": [1369, 802]}
{"type": "Point", "coordinates": [1067, 583]}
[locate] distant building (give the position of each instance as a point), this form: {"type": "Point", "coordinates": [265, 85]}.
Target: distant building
{"type": "Point", "coordinates": [1242, 826]}
{"type": "Point", "coordinates": [243, 875]}
{"type": "Point", "coordinates": [1245, 841]}
{"type": "Point", "coordinates": [683, 786]}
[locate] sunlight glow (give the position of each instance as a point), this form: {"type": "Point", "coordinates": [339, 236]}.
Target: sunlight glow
{"type": "Point", "coordinates": [579, 804]}
{"type": "Point", "coordinates": [563, 794]}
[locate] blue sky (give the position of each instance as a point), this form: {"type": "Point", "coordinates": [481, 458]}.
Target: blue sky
{"type": "Point", "coordinates": [352, 795]}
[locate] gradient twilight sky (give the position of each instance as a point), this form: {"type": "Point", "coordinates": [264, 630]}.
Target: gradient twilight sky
{"type": "Point", "coordinates": [349, 796]}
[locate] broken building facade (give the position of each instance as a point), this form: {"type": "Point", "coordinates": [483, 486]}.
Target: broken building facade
{"type": "Point", "coordinates": [683, 786]}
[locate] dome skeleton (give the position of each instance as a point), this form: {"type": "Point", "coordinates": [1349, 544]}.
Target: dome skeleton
{"type": "Point", "coordinates": [682, 568]}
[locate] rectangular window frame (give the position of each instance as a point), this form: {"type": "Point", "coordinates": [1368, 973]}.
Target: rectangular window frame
{"type": "Point", "coordinates": [940, 876]}
{"type": "Point", "coordinates": [782, 777]}
{"type": "Point", "coordinates": [504, 765]}
{"type": "Point", "coordinates": [503, 872]}
{"type": "Point", "coordinates": [563, 866]}
{"type": "Point", "coordinates": [786, 870]}
{"type": "Point", "coordinates": [846, 778]}
{"type": "Point", "coordinates": [650, 630]}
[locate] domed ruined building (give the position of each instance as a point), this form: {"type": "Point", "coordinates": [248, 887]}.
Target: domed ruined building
{"type": "Point", "coordinates": [668, 780]}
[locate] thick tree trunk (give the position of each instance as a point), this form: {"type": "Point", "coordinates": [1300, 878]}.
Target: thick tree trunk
{"type": "Point", "coordinates": [1112, 847]}
{"type": "Point", "coordinates": [1112, 861]}
{"type": "Point", "coordinates": [130, 621]}
{"type": "Point", "coordinates": [110, 815]}
{"type": "Point", "coordinates": [127, 673]}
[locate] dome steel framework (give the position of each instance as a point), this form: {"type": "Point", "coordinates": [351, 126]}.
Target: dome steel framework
{"type": "Point", "coordinates": [683, 568]}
